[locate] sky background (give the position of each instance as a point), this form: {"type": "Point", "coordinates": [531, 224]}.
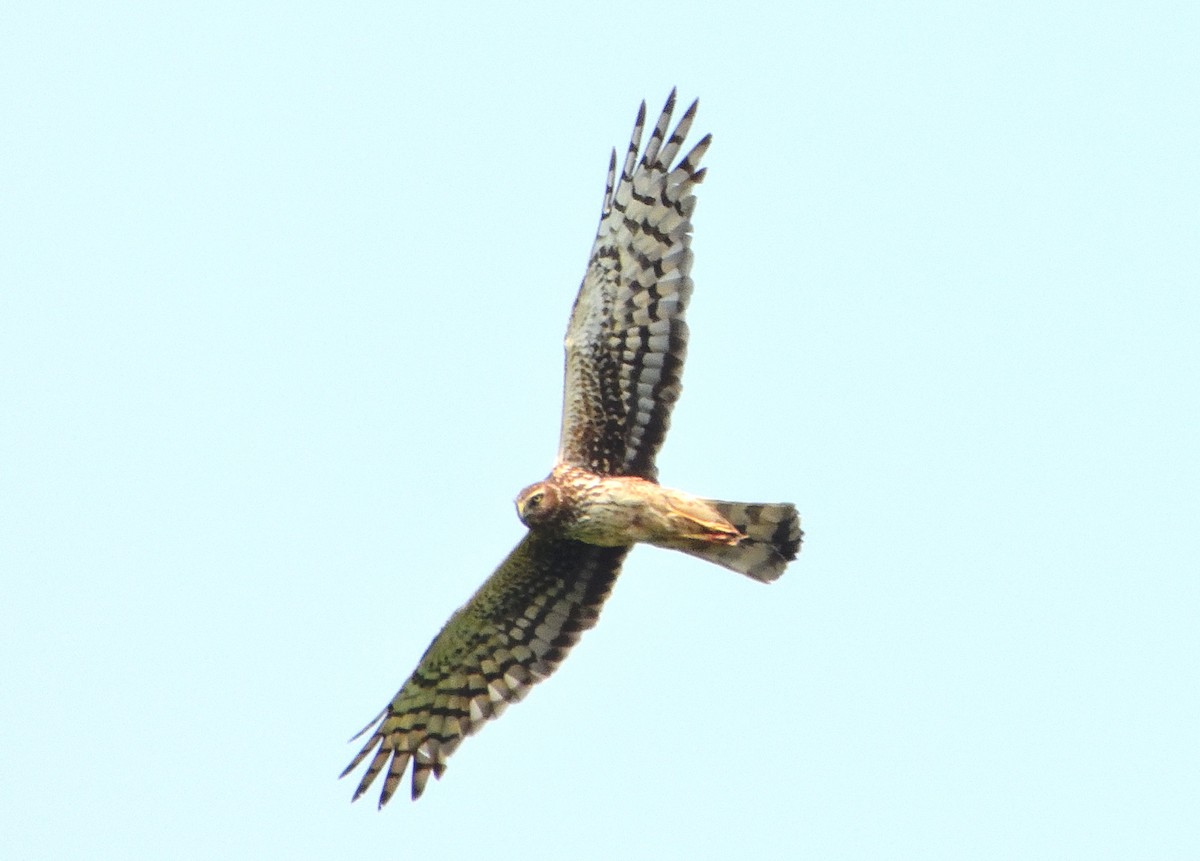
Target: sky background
{"type": "Point", "coordinates": [282, 294]}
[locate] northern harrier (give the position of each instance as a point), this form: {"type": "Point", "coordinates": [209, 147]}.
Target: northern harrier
{"type": "Point", "coordinates": [625, 347]}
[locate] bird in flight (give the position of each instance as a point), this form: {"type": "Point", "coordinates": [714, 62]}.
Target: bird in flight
{"type": "Point", "coordinates": [625, 348]}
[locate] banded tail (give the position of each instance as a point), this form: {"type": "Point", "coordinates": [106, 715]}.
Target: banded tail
{"type": "Point", "coordinates": [772, 539]}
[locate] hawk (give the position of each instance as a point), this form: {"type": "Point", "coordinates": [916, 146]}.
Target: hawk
{"type": "Point", "coordinates": [625, 348]}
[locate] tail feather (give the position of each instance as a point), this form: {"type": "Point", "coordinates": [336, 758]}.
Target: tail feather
{"type": "Point", "coordinates": [773, 537]}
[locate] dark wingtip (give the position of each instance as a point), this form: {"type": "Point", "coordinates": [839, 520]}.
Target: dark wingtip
{"type": "Point", "coordinates": [372, 723]}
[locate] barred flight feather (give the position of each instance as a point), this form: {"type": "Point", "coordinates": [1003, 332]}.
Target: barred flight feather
{"type": "Point", "coordinates": [773, 538]}
{"type": "Point", "coordinates": [513, 632]}
{"type": "Point", "coordinates": [628, 336]}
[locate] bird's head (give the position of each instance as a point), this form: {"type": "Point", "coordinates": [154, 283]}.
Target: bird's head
{"type": "Point", "coordinates": [539, 504]}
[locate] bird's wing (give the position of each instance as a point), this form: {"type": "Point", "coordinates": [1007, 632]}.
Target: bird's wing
{"type": "Point", "coordinates": [512, 633]}
{"type": "Point", "coordinates": [627, 337]}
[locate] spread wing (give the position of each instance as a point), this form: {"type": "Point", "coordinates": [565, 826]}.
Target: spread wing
{"type": "Point", "coordinates": [512, 633]}
{"type": "Point", "coordinates": [627, 337]}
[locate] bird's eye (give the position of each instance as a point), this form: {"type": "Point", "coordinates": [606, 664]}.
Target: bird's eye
{"type": "Point", "coordinates": [534, 500]}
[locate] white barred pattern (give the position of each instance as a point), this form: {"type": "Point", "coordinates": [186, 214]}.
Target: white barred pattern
{"type": "Point", "coordinates": [627, 338]}
{"type": "Point", "coordinates": [513, 633]}
{"type": "Point", "coordinates": [772, 539]}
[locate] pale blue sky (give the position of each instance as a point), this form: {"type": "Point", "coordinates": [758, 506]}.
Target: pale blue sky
{"type": "Point", "coordinates": [282, 293]}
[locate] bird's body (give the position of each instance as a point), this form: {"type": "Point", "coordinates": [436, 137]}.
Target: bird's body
{"type": "Point", "coordinates": [616, 511]}
{"type": "Point", "coordinates": [625, 347]}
